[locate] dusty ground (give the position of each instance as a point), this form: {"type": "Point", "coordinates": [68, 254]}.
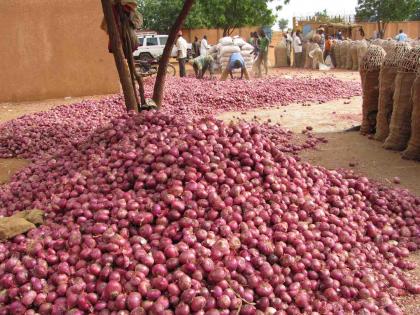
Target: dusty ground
{"type": "Point", "coordinates": [329, 120]}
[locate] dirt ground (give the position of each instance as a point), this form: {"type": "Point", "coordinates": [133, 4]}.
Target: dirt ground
{"type": "Point", "coordinates": [329, 120]}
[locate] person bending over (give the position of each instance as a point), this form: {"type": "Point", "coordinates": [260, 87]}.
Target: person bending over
{"type": "Point", "coordinates": [236, 61]}
{"type": "Point", "coordinates": [201, 64]}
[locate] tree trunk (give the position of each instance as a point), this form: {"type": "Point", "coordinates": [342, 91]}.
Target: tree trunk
{"type": "Point", "coordinates": [163, 63]}
{"type": "Point", "coordinates": [115, 41]}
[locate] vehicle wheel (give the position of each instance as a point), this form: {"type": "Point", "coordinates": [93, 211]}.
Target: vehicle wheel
{"type": "Point", "coordinates": [170, 70]}
{"type": "Point", "coordinates": [145, 57]}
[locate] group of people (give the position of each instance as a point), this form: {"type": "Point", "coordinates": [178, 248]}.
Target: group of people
{"type": "Point", "coordinates": [204, 62]}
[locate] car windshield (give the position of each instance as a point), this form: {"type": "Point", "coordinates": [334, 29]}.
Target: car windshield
{"type": "Point", "coordinates": [141, 41]}
{"type": "Point", "coordinates": [163, 40]}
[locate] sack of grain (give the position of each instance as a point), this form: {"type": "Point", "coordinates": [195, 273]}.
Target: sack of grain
{"type": "Point", "coordinates": [343, 53]}
{"type": "Point", "coordinates": [337, 54]}
{"type": "Point", "coordinates": [369, 74]}
{"type": "Point", "coordinates": [349, 60]}
{"type": "Point", "coordinates": [353, 52]}
{"type": "Point", "coordinates": [238, 41]}
{"type": "Point", "coordinates": [308, 59]}
{"type": "Point", "coordinates": [400, 126]}
{"type": "Point", "coordinates": [386, 89]}
{"type": "Point", "coordinates": [413, 149]}
{"type": "Point", "coordinates": [247, 47]}
{"type": "Point", "coordinates": [226, 41]}
{"type": "Point", "coordinates": [228, 50]}
{"type": "Point", "coordinates": [316, 56]}
{"type": "Point", "coordinates": [362, 48]}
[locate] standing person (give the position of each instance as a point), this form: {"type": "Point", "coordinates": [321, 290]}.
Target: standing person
{"type": "Point", "coordinates": [327, 50]}
{"type": "Point", "coordinates": [181, 46]}
{"type": "Point", "coordinates": [236, 61]}
{"type": "Point", "coordinates": [339, 36]}
{"type": "Point", "coordinates": [196, 47]}
{"type": "Point", "coordinates": [201, 64]}
{"type": "Point", "coordinates": [263, 54]}
{"type": "Point", "coordinates": [401, 37]}
{"type": "Point", "coordinates": [204, 46]}
{"type": "Point", "coordinates": [255, 41]}
{"type": "Point", "coordinates": [297, 47]}
{"type": "Point", "coordinates": [322, 42]}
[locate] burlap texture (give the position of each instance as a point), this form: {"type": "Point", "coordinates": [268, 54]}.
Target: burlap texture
{"type": "Point", "coordinates": [370, 87]}
{"type": "Point", "coordinates": [343, 53]}
{"type": "Point", "coordinates": [280, 54]}
{"type": "Point", "coordinates": [385, 103]}
{"type": "Point", "coordinates": [400, 126]}
{"type": "Point", "coordinates": [20, 223]}
{"type": "Point", "coordinates": [355, 61]}
{"type": "Point", "coordinates": [413, 149]}
{"type": "Point", "coordinates": [349, 60]}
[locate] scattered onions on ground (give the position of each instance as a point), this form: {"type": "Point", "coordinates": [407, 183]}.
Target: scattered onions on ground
{"type": "Point", "coordinates": [31, 135]}
{"type": "Point", "coordinates": [155, 214]}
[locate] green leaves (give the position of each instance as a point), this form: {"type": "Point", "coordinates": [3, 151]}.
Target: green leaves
{"type": "Point", "coordinates": [386, 10]}
{"type": "Point", "coordinates": [226, 14]}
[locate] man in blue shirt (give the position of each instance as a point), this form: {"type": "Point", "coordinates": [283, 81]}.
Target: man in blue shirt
{"type": "Point", "coordinates": [401, 37]}
{"type": "Point", "coordinates": [236, 61]}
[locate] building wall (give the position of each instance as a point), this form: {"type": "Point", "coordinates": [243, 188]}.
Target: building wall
{"type": "Point", "coordinates": [52, 49]}
{"type": "Point", "coordinates": [411, 28]}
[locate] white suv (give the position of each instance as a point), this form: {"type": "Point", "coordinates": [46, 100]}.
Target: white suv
{"type": "Point", "coordinates": [151, 47]}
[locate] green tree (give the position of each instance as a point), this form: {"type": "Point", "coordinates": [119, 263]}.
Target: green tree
{"type": "Point", "coordinates": [159, 15]}
{"type": "Point", "coordinates": [283, 23]}
{"type": "Point", "coordinates": [385, 11]}
{"type": "Point", "coordinates": [231, 14]}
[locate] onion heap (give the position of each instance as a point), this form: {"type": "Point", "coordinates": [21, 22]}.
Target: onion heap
{"type": "Point", "coordinates": [186, 96]}
{"type": "Point", "coordinates": [45, 132]}
{"type": "Point", "coordinates": [155, 214]}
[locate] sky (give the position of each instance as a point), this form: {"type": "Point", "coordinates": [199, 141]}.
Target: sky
{"type": "Point", "coordinates": [309, 7]}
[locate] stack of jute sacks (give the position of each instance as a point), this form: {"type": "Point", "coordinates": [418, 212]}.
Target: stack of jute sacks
{"type": "Point", "coordinates": [226, 47]}
{"type": "Point", "coordinates": [349, 54]}
{"type": "Point", "coordinates": [387, 76]}
{"type": "Point", "coordinates": [391, 96]}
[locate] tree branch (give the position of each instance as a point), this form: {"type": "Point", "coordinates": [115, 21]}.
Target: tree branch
{"type": "Point", "coordinates": [163, 63]}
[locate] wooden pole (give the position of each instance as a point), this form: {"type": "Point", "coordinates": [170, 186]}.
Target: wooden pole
{"type": "Point", "coordinates": [115, 40]}
{"type": "Point", "coordinates": [163, 63]}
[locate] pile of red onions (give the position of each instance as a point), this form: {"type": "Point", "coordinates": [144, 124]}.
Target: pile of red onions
{"type": "Point", "coordinates": [160, 215]}
{"type": "Point", "coordinates": [31, 135]}
{"type": "Point", "coordinates": [186, 96]}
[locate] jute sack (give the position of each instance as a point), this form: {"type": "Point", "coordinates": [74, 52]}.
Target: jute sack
{"type": "Point", "coordinates": [336, 52]}
{"type": "Point", "coordinates": [369, 74]}
{"type": "Point", "coordinates": [385, 103]}
{"type": "Point", "coordinates": [387, 76]}
{"type": "Point", "coordinates": [343, 54]}
{"type": "Point", "coordinates": [361, 51]}
{"type": "Point", "coordinates": [400, 126]}
{"type": "Point", "coordinates": [353, 52]}
{"type": "Point", "coordinates": [349, 60]}
{"type": "Point", "coordinates": [413, 149]}
{"type": "Point", "coordinates": [20, 223]}
{"type": "Point", "coordinates": [308, 60]}
{"type": "Point", "coordinates": [280, 54]}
